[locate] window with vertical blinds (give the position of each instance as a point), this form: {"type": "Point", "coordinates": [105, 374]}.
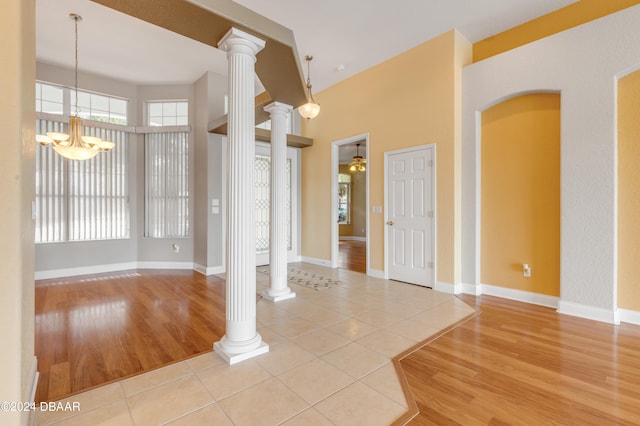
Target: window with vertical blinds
{"type": "Point", "coordinates": [167, 185]}
{"type": "Point", "coordinates": [82, 200]}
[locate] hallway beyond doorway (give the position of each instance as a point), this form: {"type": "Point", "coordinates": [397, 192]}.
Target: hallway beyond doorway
{"type": "Point", "coordinates": [352, 255]}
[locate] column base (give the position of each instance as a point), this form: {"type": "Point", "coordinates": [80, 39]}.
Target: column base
{"type": "Point", "coordinates": [277, 297]}
{"type": "Point", "coordinates": [233, 354]}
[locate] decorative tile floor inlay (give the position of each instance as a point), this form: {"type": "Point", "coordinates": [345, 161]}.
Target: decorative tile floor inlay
{"type": "Point", "coordinates": [330, 362]}
{"type": "Point", "coordinates": [309, 279]}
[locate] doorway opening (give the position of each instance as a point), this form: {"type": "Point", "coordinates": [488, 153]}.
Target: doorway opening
{"type": "Point", "coordinates": [350, 212]}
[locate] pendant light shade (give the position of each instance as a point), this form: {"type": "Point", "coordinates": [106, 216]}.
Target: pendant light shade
{"type": "Point", "coordinates": [311, 109]}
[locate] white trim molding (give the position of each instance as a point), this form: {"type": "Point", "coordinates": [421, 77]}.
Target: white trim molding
{"type": "Point", "coordinates": [112, 267]}
{"type": "Point", "coordinates": [632, 317]}
{"type": "Point", "coordinates": [446, 288]}
{"type": "Point", "coordinates": [208, 270]}
{"type": "Point", "coordinates": [519, 295]}
{"type": "Point", "coordinates": [589, 312]}
{"type": "Point", "coordinates": [316, 261]}
{"type": "Point", "coordinates": [376, 273]}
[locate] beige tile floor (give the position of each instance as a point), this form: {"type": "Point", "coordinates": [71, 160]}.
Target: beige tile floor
{"type": "Point", "coordinates": [329, 363]}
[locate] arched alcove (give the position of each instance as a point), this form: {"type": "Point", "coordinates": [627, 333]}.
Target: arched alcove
{"type": "Point", "coordinates": [629, 191]}
{"type": "Point", "coordinates": [520, 193]}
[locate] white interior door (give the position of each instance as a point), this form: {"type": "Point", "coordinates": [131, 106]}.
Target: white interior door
{"type": "Point", "coordinates": [410, 215]}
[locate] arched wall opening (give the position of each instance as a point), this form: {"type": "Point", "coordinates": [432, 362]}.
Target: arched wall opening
{"type": "Point", "coordinates": [520, 194]}
{"type": "Point", "coordinates": [629, 191]}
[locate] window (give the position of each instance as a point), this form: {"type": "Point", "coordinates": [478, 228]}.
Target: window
{"type": "Point", "coordinates": [167, 185]}
{"type": "Point", "coordinates": [82, 200]}
{"type": "Point", "coordinates": [170, 113]}
{"type": "Point", "coordinates": [93, 106]}
{"type": "Point", "coordinates": [263, 202]}
{"type": "Point", "coordinates": [49, 99]}
{"type": "Point", "coordinates": [53, 99]}
{"type": "Point", "coordinates": [344, 199]}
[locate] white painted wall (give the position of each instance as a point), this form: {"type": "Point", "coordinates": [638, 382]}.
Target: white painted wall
{"type": "Point", "coordinates": [582, 64]}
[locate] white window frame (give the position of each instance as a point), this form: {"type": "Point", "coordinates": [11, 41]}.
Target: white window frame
{"type": "Point", "coordinates": [166, 117]}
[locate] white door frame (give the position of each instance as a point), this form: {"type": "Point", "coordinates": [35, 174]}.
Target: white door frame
{"type": "Point", "coordinates": [335, 159]}
{"type": "Point", "coordinates": [386, 207]}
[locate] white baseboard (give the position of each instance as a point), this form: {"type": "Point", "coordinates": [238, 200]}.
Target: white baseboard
{"type": "Point", "coordinates": [113, 267]}
{"type": "Point", "coordinates": [520, 295]}
{"type": "Point", "coordinates": [84, 270]}
{"type": "Point", "coordinates": [376, 273]}
{"type": "Point", "coordinates": [165, 265]}
{"type": "Point", "coordinates": [352, 238]}
{"type": "Point", "coordinates": [588, 312]}
{"type": "Point", "coordinates": [316, 261]}
{"type": "Point", "coordinates": [210, 270]}
{"type": "Point", "coordinates": [445, 287]}
{"type": "Point", "coordinates": [467, 288]}
{"type": "Point", "coordinates": [632, 317]}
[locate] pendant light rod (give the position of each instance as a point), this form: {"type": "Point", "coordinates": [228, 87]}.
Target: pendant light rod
{"type": "Point", "coordinates": [74, 145]}
{"type": "Point", "coordinates": [76, 18]}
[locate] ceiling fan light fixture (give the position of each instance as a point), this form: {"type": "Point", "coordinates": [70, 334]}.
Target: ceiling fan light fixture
{"type": "Point", "coordinates": [358, 164]}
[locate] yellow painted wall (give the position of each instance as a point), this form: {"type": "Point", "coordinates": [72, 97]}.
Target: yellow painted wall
{"type": "Point", "coordinates": [521, 193]}
{"type": "Point", "coordinates": [406, 101]}
{"type": "Point", "coordinates": [629, 191]}
{"type": "Point", "coordinates": [568, 17]}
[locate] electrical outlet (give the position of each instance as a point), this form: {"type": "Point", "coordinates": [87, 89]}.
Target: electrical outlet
{"type": "Point", "coordinates": [526, 270]}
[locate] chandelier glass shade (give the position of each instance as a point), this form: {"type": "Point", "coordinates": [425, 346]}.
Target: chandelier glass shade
{"type": "Point", "coordinates": [74, 146]}
{"type": "Point", "coordinates": [358, 164]}
{"type": "Point", "coordinates": [311, 109]}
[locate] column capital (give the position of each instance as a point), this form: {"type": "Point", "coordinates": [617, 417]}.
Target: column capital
{"type": "Point", "coordinates": [236, 39]}
{"type": "Point", "coordinates": [275, 107]}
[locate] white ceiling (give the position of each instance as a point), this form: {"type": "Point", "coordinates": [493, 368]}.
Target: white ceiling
{"type": "Point", "coordinates": [354, 34]}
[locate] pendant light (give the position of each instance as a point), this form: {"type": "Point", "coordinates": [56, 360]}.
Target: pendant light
{"type": "Point", "coordinates": [311, 109]}
{"type": "Point", "coordinates": [74, 146]}
{"type": "Point", "coordinates": [358, 164]}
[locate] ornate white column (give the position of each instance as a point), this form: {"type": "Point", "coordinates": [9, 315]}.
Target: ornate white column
{"type": "Point", "coordinates": [241, 340]}
{"type": "Point", "coordinates": [278, 289]}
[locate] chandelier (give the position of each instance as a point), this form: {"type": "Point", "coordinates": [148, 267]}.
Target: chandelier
{"type": "Point", "coordinates": [358, 162]}
{"type": "Point", "coordinates": [311, 109]}
{"type": "Point", "coordinates": [74, 146]}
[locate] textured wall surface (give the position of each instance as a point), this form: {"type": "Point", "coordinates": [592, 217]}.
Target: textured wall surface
{"type": "Point", "coordinates": [582, 64]}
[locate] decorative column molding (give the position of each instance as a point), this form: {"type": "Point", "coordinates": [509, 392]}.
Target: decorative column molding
{"type": "Point", "coordinates": [278, 289]}
{"type": "Point", "coordinates": [241, 341]}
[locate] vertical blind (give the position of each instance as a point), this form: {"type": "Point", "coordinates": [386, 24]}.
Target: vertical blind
{"type": "Point", "coordinates": [167, 185]}
{"type": "Point", "coordinates": [82, 200]}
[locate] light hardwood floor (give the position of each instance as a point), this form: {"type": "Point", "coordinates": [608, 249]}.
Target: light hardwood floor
{"type": "Point", "coordinates": [509, 363]}
{"type": "Point", "coordinates": [353, 256]}
{"type": "Point", "coordinates": [516, 363]}
{"type": "Point", "coordinates": [92, 330]}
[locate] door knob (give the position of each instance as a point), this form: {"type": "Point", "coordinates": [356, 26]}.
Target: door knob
{"type": "Point", "coordinates": [390, 223]}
